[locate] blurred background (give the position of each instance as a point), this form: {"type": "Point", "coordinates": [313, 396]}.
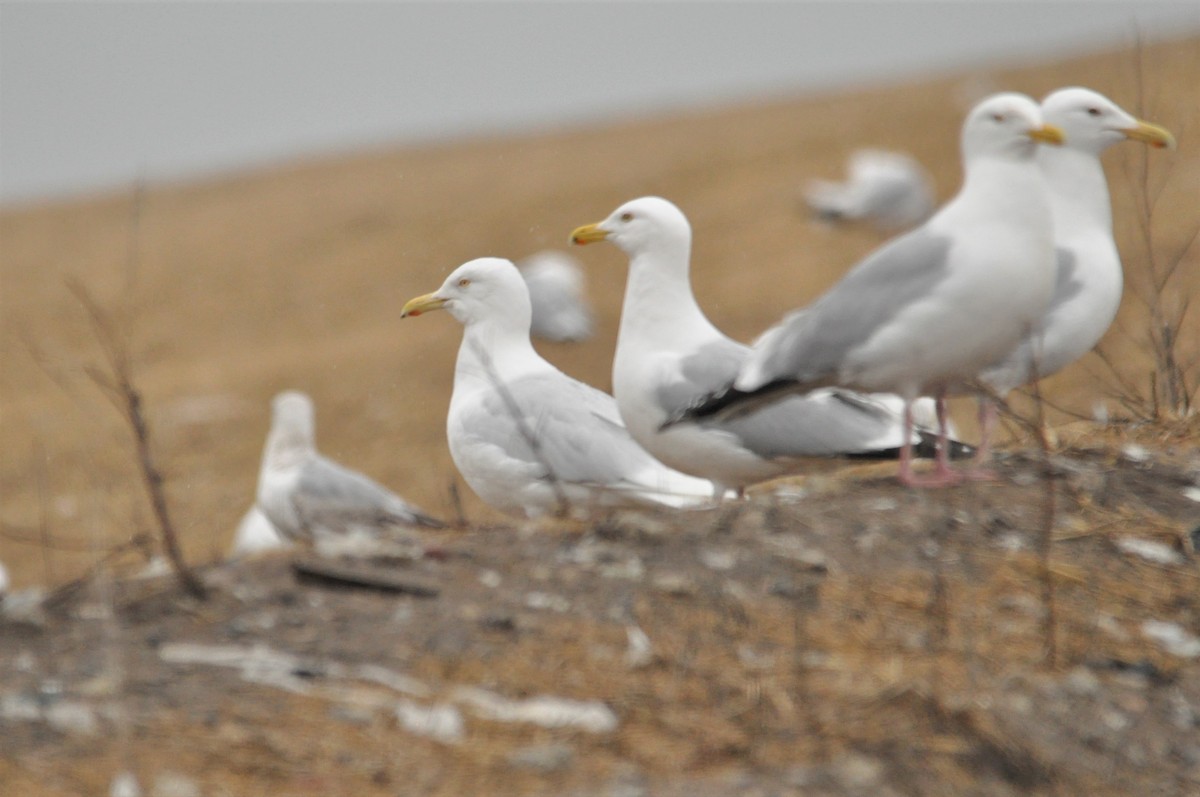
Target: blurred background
{"type": "Point", "coordinates": [98, 95]}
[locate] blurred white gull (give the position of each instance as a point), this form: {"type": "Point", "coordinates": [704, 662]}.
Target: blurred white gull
{"type": "Point", "coordinates": [255, 533]}
{"type": "Point", "coordinates": [927, 312]}
{"type": "Point", "coordinates": [307, 497]}
{"type": "Point", "coordinates": [888, 189]}
{"type": "Point", "coordinates": [1087, 292]}
{"type": "Point", "coordinates": [669, 355]}
{"type": "Point", "coordinates": [526, 437]}
{"type": "Point", "coordinates": [556, 290]}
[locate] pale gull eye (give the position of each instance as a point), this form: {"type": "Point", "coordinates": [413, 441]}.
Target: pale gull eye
{"type": "Point", "coordinates": [626, 217]}
{"type": "Point", "coordinates": [464, 282]}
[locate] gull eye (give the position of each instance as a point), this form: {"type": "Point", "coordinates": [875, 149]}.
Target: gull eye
{"type": "Point", "coordinates": [1093, 111]}
{"type": "Point", "coordinates": [998, 117]}
{"type": "Point", "coordinates": [626, 217]}
{"type": "Point", "coordinates": [464, 282]}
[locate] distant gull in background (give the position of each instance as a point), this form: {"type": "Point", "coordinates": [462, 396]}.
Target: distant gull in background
{"type": "Point", "coordinates": [669, 355]}
{"type": "Point", "coordinates": [307, 497]}
{"type": "Point", "coordinates": [556, 290]}
{"type": "Point", "coordinates": [255, 534]}
{"type": "Point", "coordinates": [526, 437]}
{"type": "Point", "coordinates": [1087, 292]}
{"type": "Point", "coordinates": [928, 311]}
{"type": "Point", "coordinates": [888, 189]}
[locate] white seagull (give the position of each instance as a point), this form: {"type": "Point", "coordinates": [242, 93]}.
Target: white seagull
{"type": "Point", "coordinates": [1087, 291]}
{"type": "Point", "coordinates": [669, 356]}
{"type": "Point", "coordinates": [888, 189]}
{"type": "Point", "coordinates": [556, 291]}
{"type": "Point", "coordinates": [307, 497]}
{"type": "Point", "coordinates": [528, 439]}
{"type": "Point", "coordinates": [928, 311]}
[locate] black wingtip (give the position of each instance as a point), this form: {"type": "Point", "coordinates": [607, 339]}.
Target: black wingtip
{"type": "Point", "coordinates": [925, 448]}
{"type": "Point", "coordinates": [728, 403]}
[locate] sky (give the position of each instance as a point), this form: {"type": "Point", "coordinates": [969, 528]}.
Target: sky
{"type": "Point", "coordinates": [94, 96]}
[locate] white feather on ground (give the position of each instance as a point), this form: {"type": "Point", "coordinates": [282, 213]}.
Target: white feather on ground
{"type": "Point", "coordinates": [558, 296]}
{"type": "Point", "coordinates": [526, 437]}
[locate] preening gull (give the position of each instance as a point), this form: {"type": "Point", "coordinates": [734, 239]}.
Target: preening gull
{"type": "Point", "coordinates": [307, 497]}
{"type": "Point", "coordinates": [527, 438]}
{"type": "Point", "coordinates": [556, 291]}
{"type": "Point", "coordinates": [669, 355]}
{"type": "Point", "coordinates": [888, 189]}
{"type": "Point", "coordinates": [1087, 292]}
{"type": "Point", "coordinates": [928, 311]}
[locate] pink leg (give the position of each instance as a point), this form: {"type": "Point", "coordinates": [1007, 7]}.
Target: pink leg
{"type": "Point", "coordinates": [942, 475]}
{"type": "Point", "coordinates": [980, 469]}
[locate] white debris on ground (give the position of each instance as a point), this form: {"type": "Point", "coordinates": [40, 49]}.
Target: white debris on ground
{"type": "Point", "coordinates": [1150, 550]}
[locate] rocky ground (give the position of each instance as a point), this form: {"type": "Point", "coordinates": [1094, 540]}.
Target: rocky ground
{"type": "Point", "coordinates": [837, 635]}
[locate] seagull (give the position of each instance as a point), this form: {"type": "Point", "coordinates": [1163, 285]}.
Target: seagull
{"type": "Point", "coordinates": [255, 533]}
{"type": "Point", "coordinates": [560, 309]}
{"type": "Point", "coordinates": [889, 189]}
{"type": "Point", "coordinates": [309, 498]}
{"type": "Point", "coordinates": [928, 311]}
{"type": "Point", "coordinates": [1089, 280]}
{"type": "Point", "coordinates": [669, 355]}
{"type": "Point", "coordinates": [528, 439]}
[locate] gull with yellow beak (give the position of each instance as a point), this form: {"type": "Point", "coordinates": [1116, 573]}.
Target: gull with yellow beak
{"type": "Point", "coordinates": [527, 438]}
{"type": "Point", "coordinates": [928, 311]}
{"type": "Point", "coordinates": [1087, 291]}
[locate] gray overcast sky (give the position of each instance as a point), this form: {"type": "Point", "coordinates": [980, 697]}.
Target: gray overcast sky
{"type": "Point", "coordinates": [92, 95]}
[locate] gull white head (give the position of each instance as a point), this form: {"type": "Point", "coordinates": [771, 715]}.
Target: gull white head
{"type": "Point", "coordinates": [1006, 125]}
{"type": "Point", "coordinates": [639, 225]}
{"type": "Point", "coordinates": [488, 289]}
{"type": "Point", "coordinates": [1092, 122]}
{"type": "Point", "coordinates": [292, 430]}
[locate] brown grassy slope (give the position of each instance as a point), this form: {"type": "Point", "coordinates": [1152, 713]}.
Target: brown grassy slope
{"type": "Point", "coordinates": [293, 278]}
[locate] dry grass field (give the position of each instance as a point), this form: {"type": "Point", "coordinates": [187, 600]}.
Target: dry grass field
{"type": "Point", "coordinates": [864, 640]}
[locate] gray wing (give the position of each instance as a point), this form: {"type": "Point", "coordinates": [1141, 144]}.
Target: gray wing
{"type": "Point", "coordinates": [809, 344]}
{"type": "Point", "coordinates": [332, 496]}
{"type": "Point", "coordinates": [566, 427]}
{"type": "Point", "coordinates": [833, 422]}
{"type": "Point", "coordinates": [710, 368]}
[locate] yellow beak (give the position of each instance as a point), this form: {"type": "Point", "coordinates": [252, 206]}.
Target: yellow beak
{"type": "Point", "coordinates": [1048, 134]}
{"type": "Point", "coordinates": [422, 304]}
{"type": "Point", "coordinates": [1151, 134]}
{"type": "Point", "coordinates": [588, 234]}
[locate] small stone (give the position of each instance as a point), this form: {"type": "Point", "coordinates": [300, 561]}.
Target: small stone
{"type": "Point", "coordinates": [172, 784]}
{"type": "Point", "coordinates": [1150, 550]}
{"type": "Point", "coordinates": [544, 600]}
{"type": "Point", "coordinates": [73, 717]}
{"type": "Point", "coordinates": [717, 559]}
{"type": "Point", "coordinates": [442, 723]}
{"type": "Point", "coordinates": [490, 579]}
{"type": "Point", "coordinates": [1135, 453]}
{"type": "Point", "coordinates": [674, 584]}
{"type": "Point", "coordinates": [545, 758]}
{"type": "Point", "coordinates": [1082, 682]}
{"type": "Point", "coordinates": [1172, 638]}
{"type": "Point", "coordinates": [857, 771]}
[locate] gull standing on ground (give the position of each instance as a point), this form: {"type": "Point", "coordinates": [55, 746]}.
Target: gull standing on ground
{"type": "Point", "coordinates": [928, 311]}
{"type": "Point", "coordinates": [669, 355]}
{"type": "Point", "coordinates": [556, 291]}
{"type": "Point", "coordinates": [888, 189]}
{"type": "Point", "coordinates": [1087, 292]}
{"type": "Point", "coordinates": [307, 497]}
{"type": "Point", "coordinates": [527, 438]}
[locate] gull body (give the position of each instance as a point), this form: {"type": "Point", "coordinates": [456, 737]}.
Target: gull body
{"type": "Point", "coordinates": [556, 293]}
{"type": "Point", "coordinates": [527, 438]}
{"type": "Point", "coordinates": [927, 312]}
{"type": "Point", "coordinates": [888, 189]}
{"type": "Point", "coordinates": [669, 355]}
{"type": "Point", "coordinates": [1089, 279]}
{"type": "Point", "coordinates": [307, 497]}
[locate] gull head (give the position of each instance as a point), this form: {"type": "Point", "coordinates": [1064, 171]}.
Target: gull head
{"type": "Point", "coordinates": [485, 289]}
{"type": "Point", "coordinates": [1093, 122]}
{"type": "Point", "coordinates": [292, 426]}
{"type": "Point", "coordinates": [638, 225]}
{"type": "Point", "coordinates": [1006, 125]}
